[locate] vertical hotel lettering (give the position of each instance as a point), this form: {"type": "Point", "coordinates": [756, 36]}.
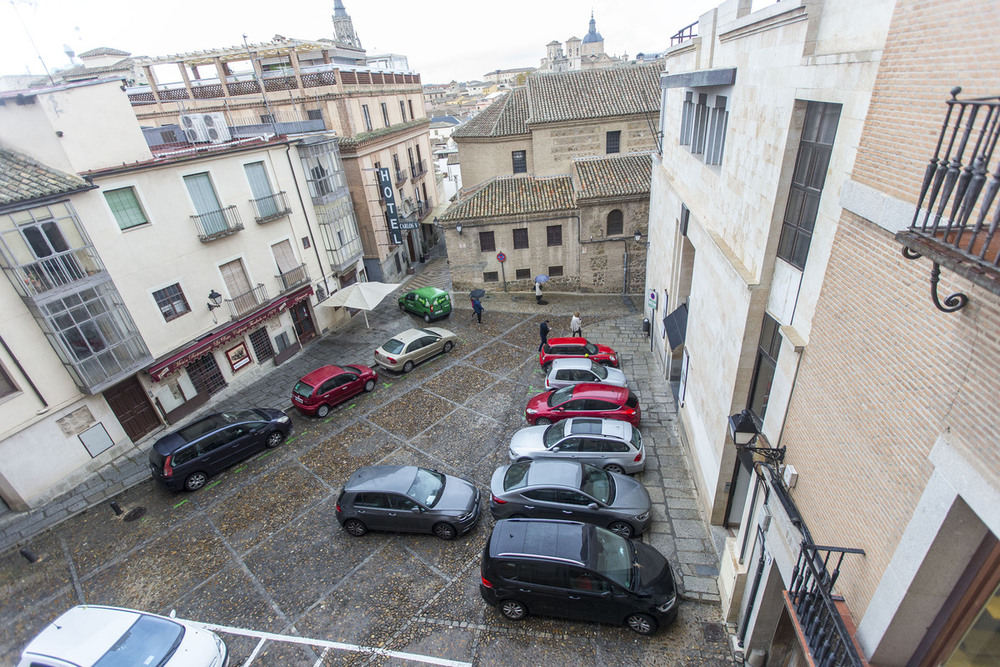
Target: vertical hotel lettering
{"type": "Point", "coordinates": [389, 197]}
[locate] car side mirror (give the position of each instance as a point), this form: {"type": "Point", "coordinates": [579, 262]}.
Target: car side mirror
{"type": "Point", "coordinates": [555, 448]}
{"type": "Point", "coordinates": [417, 510]}
{"type": "Point", "coordinates": [593, 506]}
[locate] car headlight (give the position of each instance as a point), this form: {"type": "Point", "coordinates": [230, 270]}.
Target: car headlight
{"type": "Point", "coordinates": [668, 605]}
{"type": "Point", "coordinates": [283, 419]}
{"type": "Point", "coordinates": [612, 357]}
{"type": "Point", "coordinates": [530, 411]}
{"type": "Point", "coordinates": [642, 517]}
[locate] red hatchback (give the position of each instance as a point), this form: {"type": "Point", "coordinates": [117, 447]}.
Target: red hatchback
{"type": "Point", "coordinates": [317, 392]}
{"type": "Point", "coordinates": [563, 348]}
{"type": "Point", "coordinates": [584, 400]}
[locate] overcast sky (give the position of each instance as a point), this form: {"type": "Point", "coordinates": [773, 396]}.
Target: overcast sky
{"type": "Point", "coordinates": [443, 40]}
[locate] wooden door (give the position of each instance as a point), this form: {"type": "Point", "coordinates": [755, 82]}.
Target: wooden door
{"type": "Point", "coordinates": [131, 406]}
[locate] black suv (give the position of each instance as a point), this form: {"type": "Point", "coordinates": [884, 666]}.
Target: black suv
{"type": "Point", "coordinates": [188, 456]}
{"type": "Point", "coordinates": [578, 571]}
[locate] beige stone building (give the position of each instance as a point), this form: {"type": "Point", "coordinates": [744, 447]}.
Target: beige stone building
{"type": "Point", "coordinates": [843, 441]}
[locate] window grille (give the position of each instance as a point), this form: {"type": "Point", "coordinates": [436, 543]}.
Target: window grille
{"type": "Point", "coordinates": [520, 239]}
{"type": "Point", "coordinates": [486, 242]}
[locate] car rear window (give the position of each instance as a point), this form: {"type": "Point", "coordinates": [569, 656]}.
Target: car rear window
{"type": "Point", "coordinates": [302, 389]}
{"type": "Point", "coordinates": [150, 641]}
{"type": "Point", "coordinates": [516, 476]}
{"type": "Point", "coordinates": [394, 346]}
{"type": "Point", "coordinates": [632, 401]}
{"type": "Point", "coordinates": [636, 438]}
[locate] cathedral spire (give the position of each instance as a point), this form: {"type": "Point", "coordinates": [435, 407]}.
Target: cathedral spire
{"type": "Point", "coordinates": [343, 27]}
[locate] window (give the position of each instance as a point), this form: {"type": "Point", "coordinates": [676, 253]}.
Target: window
{"type": "Point", "coordinates": [402, 111]}
{"type": "Point", "coordinates": [171, 302]}
{"type": "Point", "coordinates": [491, 277]}
{"type": "Point", "coordinates": [520, 238]}
{"type": "Point", "coordinates": [169, 136]}
{"type": "Point", "coordinates": [368, 118]}
{"type": "Point", "coordinates": [7, 385]}
{"type": "Point", "coordinates": [613, 142]}
{"type": "Point", "coordinates": [267, 118]}
{"type": "Point", "coordinates": [522, 274]}
{"type": "Point", "coordinates": [616, 223]}
{"type": "Point", "coordinates": [305, 243]}
{"type": "Point", "coordinates": [385, 114]}
{"type": "Point", "coordinates": [261, 344]}
{"type": "Point", "coordinates": [126, 208]}
{"type": "Point", "coordinates": [764, 367]}
{"type": "Point", "coordinates": [314, 114]}
{"type": "Point", "coordinates": [486, 242]}
{"type": "Point", "coordinates": [811, 165]}
{"type": "Point", "coordinates": [410, 104]}
{"type": "Point", "coordinates": [555, 271]}
{"type": "Point", "coordinates": [409, 156]}
{"type": "Point", "coordinates": [519, 160]}
{"type": "Point", "coordinates": [553, 234]}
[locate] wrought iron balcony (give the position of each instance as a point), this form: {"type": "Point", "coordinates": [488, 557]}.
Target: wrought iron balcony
{"type": "Point", "coordinates": [827, 638]}
{"type": "Point", "coordinates": [217, 224]}
{"type": "Point", "coordinates": [271, 207]}
{"type": "Point", "coordinates": [293, 277]}
{"type": "Point", "coordinates": [423, 209]}
{"type": "Point", "coordinates": [419, 168]}
{"type": "Point", "coordinates": [58, 270]}
{"type": "Point", "coordinates": [957, 216]}
{"type": "Point", "coordinates": [241, 304]}
{"type": "Point", "coordinates": [401, 176]}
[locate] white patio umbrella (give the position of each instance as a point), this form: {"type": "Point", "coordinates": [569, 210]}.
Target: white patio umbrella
{"type": "Point", "coordinates": [365, 296]}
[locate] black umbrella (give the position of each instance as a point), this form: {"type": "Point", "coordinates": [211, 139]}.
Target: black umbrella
{"type": "Point", "coordinates": [477, 293]}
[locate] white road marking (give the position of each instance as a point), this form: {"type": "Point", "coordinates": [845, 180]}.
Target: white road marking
{"type": "Point", "coordinates": [322, 656]}
{"type": "Point", "coordinates": [253, 655]}
{"type": "Point", "coordinates": [270, 636]}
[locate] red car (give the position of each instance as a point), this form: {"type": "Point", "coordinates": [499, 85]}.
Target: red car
{"type": "Point", "coordinates": [562, 348]}
{"type": "Point", "coordinates": [584, 400]}
{"type": "Point", "coordinates": [323, 388]}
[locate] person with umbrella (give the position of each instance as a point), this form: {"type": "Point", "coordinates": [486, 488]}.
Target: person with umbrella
{"type": "Point", "coordinates": [477, 306]}
{"type": "Point", "coordinates": [538, 287]}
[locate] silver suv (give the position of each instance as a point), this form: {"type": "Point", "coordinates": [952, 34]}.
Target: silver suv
{"type": "Point", "coordinates": [611, 444]}
{"type": "Point", "coordinates": [565, 372]}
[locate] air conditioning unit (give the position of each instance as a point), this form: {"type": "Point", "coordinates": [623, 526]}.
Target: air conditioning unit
{"type": "Point", "coordinates": [194, 128]}
{"type": "Point", "coordinates": [216, 127]}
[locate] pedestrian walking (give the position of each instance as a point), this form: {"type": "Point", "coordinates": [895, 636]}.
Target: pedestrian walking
{"type": "Point", "coordinates": [538, 293]}
{"type": "Point", "coordinates": [477, 308]}
{"type": "Point", "coordinates": [543, 331]}
{"type": "Point", "coordinates": [576, 326]}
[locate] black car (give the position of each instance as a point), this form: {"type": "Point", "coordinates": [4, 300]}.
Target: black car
{"type": "Point", "coordinates": [186, 458]}
{"type": "Point", "coordinates": [578, 571]}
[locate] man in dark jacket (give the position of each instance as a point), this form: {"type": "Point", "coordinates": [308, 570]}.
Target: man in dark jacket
{"type": "Point", "coordinates": [477, 308]}
{"type": "Point", "coordinates": [543, 331]}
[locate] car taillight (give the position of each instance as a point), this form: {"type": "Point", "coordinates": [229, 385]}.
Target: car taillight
{"type": "Point", "coordinates": [638, 457]}
{"type": "Point", "coordinates": [391, 360]}
{"type": "Point", "coordinates": [338, 507]}
{"type": "Point", "coordinates": [486, 582]}
{"type": "Point", "coordinates": [497, 500]}
{"type": "Point", "coordinates": [167, 470]}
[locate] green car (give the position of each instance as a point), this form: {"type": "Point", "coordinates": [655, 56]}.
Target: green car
{"type": "Point", "coordinates": [428, 302]}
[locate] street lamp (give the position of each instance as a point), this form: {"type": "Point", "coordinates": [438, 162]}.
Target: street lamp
{"type": "Point", "coordinates": [638, 237]}
{"type": "Point", "coordinates": [745, 433]}
{"type": "Point", "coordinates": [458, 228]}
{"type": "Point", "coordinates": [214, 300]}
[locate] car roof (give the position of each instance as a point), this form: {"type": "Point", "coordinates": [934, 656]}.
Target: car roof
{"type": "Point", "coordinates": [83, 634]}
{"type": "Point", "coordinates": [593, 426]}
{"type": "Point", "coordinates": [411, 335]}
{"type": "Point", "coordinates": [567, 341]}
{"type": "Point", "coordinates": [382, 478]}
{"type": "Point", "coordinates": [562, 540]}
{"type": "Point", "coordinates": [323, 373]}
{"type": "Point", "coordinates": [208, 424]}
{"type": "Point", "coordinates": [578, 363]}
{"type": "Point", "coordinates": [549, 472]}
{"type": "Point", "coordinates": [429, 292]}
{"type": "Point", "coordinates": [595, 390]}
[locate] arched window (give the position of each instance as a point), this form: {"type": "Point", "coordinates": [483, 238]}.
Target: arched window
{"type": "Point", "coordinates": [616, 223]}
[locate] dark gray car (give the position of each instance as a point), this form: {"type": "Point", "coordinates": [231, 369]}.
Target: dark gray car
{"type": "Point", "coordinates": [407, 499]}
{"type": "Point", "coordinates": [553, 489]}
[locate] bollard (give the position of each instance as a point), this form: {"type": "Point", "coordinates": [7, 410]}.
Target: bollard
{"type": "Point", "coordinates": [117, 508]}
{"type": "Point", "coordinates": [29, 555]}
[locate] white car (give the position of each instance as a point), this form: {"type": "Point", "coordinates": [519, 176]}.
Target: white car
{"type": "Point", "coordinates": [565, 372]}
{"type": "Point", "coordinates": [88, 635]}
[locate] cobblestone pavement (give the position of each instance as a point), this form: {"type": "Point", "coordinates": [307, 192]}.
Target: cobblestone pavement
{"type": "Point", "coordinates": [259, 547]}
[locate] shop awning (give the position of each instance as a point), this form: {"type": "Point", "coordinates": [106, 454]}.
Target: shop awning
{"type": "Point", "coordinates": [177, 360]}
{"type": "Point", "coordinates": [675, 325]}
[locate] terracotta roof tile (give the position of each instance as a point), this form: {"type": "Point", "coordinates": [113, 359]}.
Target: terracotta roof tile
{"type": "Point", "coordinates": [505, 117]}
{"type": "Point", "coordinates": [516, 195]}
{"type": "Point", "coordinates": [618, 176]}
{"type": "Point", "coordinates": [596, 93]}
{"type": "Point", "coordinates": [23, 179]}
{"type": "Point", "coordinates": [104, 51]}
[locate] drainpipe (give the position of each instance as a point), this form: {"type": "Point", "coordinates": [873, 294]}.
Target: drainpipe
{"type": "Point", "coordinates": [27, 377]}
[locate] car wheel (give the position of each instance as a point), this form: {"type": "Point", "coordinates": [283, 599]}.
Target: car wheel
{"type": "Point", "coordinates": [622, 528]}
{"type": "Point", "coordinates": [448, 346]}
{"type": "Point", "coordinates": [614, 467]}
{"type": "Point", "coordinates": [427, 318]}
{"type": "Point", "coordinates": [355, 527]}
{"type": "Point", "coordinates": [369, 385]}
{"type": "Point", "coordinates": [322, 411]}
{"type": "Point", "coordinates": [275, 439]}
{"type": "Point", "coordinates": [444, 531]}
{"type": "Point", "coordinates": [641, 623]}
{"type": "Point", "coordinates": [542, 421]}
{"type": "Point", "coordinates": [408, 366]}
{"type": "Point", "coordinates": [402, 307]}
{"type": "Point", "coordinates": [513, 610]}
{"type": "Point", "coordinates": [195, 481]}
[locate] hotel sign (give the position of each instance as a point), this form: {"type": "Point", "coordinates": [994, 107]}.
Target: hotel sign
{"type": "Point", "coordinates": [391, 211]}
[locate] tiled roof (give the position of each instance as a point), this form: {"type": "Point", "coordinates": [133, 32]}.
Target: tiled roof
{"type": "Point", "coordinates": [82, 70]}
{"type": "Point", "coordinates": [505, 117]}
{"type": "Point", "coordinates": [618, 176]}
{"type": "Point", "coordinates": [594, 93]}
{"type": "Point", "coordinates": [516, 195]}
{"type": "Point", "coordinates": [104, 51]}
{"type": "Point", "coordinates": [23, 179]}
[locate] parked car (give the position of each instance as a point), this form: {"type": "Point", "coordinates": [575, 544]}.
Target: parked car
{"type": "Point", "coordinates": [187, 457]}
{"type": "Point", "coordinates": [324, 387]}
{"type": "Point", "coordinates": [611, 444]}
{"type": "Point", "coordinates": [430, 303]}
{"type": "Point", "coordinates": [89, 635]}
{"type": "Point", "coordinates": [404, 350]}
{"type": "Point", "coordinates": [552, 489]}
{"type": "Point", "coordinates": [576, 570]}
{"type": "Point", "coordinates": [574, 370]}
{"type": "Point", "coordinates": [561, 348]}
{"type": "Point", "coordinates": [583, 400]}
{"type": "Point", "coordinates": [407, 499]}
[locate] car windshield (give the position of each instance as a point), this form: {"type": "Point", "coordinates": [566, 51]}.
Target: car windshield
{"type": "Point", "coordinates": [428, 332]}
{"type": "Point", "coordinates": [636, 438]}
{"type": "Point", "coordinates": [394, 346]}
{"type": "Point", "coordinates": [591, 348]}
{"type": "Point", "coordinates": [598, 484]}
{"type": "Point", "coordinates": [150, 641]}
{"type": "Point", "coordinates": [427, 487]}
{"type": "Point", "coordinates": [302, 389]}
{"type": "Point", "coordinates": [237, 416]}
{"type": "Point", "coordinates": [554, 434]}
{"type": "Point", "coordinates": [516, 476]}
{"type": "Point", "coordinates": [614, 558]}
{"type": "Point", "coordinates": [599, 370]}
{"type": "Point", "coordinates": [560, 396]}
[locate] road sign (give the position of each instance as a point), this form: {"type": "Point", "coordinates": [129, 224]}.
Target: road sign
{"type": "Point", "coordinates": [501, 257]}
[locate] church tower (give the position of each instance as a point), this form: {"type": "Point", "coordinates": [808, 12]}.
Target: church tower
{"type": "Point", "coordinates": [343, 27]}
{"type": "Point", "coordinates": [593, 43]}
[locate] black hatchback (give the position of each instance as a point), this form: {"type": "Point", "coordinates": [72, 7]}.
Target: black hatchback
{"type": "Point", "coordinates": [186, 458]}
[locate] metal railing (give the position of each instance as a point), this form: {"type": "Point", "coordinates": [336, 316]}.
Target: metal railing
{"type": "Point", "coordinates": [217, 224]}
{"type": "Point", "coordinates": [827, 637]}
{"type": "Point", "coordinates": [293, 277]}
{"type": "Point", "coordinates": [342, 257]}
{"type": "Point", "coordinates": [270, 207]}
{"type": "Point", "coordinates": [423, 209]}
{"type": "Point", "coordinates": [241, 304]}
{"type": "Point", "coordinates": [55, 271]}
{"type": "Point", "coordinates": [684, 34]}
{"type": "Point", "coordinates": [419, 169]}
{"type": "Point", "coordinates": [401, 176]}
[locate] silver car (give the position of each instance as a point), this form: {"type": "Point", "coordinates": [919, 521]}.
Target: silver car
{"type": "Point", "coordinates": [550, 489]}
{"type": "Point", "coordinates": [611, 444]}
{"type": "Point", "coordinates": [404, 350]}
{"type": "Point", "coordinates": [564, 372]}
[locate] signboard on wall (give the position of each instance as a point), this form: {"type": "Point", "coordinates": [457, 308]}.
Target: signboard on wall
{"type": "Point", "coordinates": [391, 211]}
